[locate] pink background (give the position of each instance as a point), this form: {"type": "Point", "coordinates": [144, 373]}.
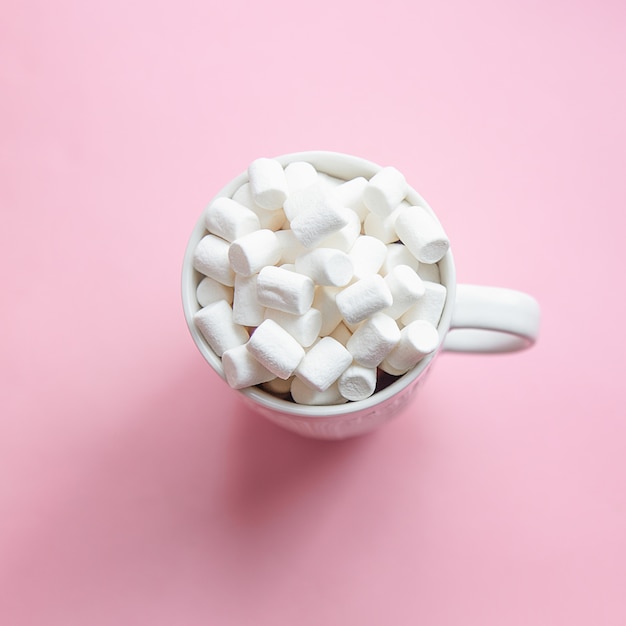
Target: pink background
{"type": "Point", "coordinates": [134, 489]}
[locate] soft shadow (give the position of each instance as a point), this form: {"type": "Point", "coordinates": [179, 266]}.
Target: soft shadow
{"type": "Point", "coordinates": [169, 475]}
{"type": "Point", "coordinates": [270, 469]}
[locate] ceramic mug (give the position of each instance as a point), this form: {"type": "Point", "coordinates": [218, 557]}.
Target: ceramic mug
{"type": "Point", "coordinates": [474, 319]}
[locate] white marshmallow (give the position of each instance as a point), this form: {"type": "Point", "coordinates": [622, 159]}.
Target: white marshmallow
{"type": "Point", "coordinates": [422, 234]}
{"type": "Point", "coordinates": [357, 382]}
{"type": "Point", "coordinates": [367, 255]}
{"type": "Point", "coordinates": [282, 289]}
{"type": "Point", "coordinates": [305, 328]}
{"type": "Point", "coordinates": [313, 225]}
{"type": "Point", "coordinates": [242, 369]}
{"type": "Point", "coordinates": [217, 326]}
{"type": "Point", "coordinates": [429, 271]}
{"type": "Point", "coordinates": [246, 309]}
{"type": "Point", "coordinates": [406, 288]}
{"type": "Point", "coordinates": [211, 259]}
{"type": "Point", "coordinates": [243, 195]}
{"type": "Point", "coordinates": [429, 307]}
{"type": "Point", "coordinates": [272, 220]}
{"type": "Point", "coordinates": [345, 237]}
{"type": "Point", "coordinates": [252, 252]}
{"type": "Point", "coordinates": [325, 302]}
{"type": "Point", "coordinates": [303, 394]}
{"type": "Point", "coordinates": [323, 364]}
{"type": "Point", "coordinates": [398, 254]}
{"type": "Point", "coordinates": [278, 386]}
{"type": "Point", "coordinates": [417, 340]}
{"type": "Point", "coordinates": [342, 334]}
{"type": "Point", "coordinates": [385, 367]}
{"type": "Point", "coordinates": [304, 200]}
{"type": "Point", "coordinates": [209, 291]}
{"type": "Point", "coordinates": [290, 247]}
{"type": "Point", "coordinates": [362, 299]}
{"type": "Point", "coordinates": [383, 228]}
{"type": "Point", "coordinates": [275, 349]}
{"type": "Point", "coordinates": [350, 194]}
{"type": "Point", "coordinates": [385, 190]}
{"type": "Point", "coordinates": [326, 266]}
{"type": "Point", "coordinates": [229, 219]}
{"type": "Point", "coordinates": [373, 340]}
{"type": "Point", "coordinates": [268, 183]}
{"type": "Point", "coordinates": [300, 175]}
{"type": "Point", "coordinates": [327, 182]}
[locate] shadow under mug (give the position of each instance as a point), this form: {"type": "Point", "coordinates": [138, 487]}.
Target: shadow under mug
{"type": "Point", "coordinates": [474, 319]}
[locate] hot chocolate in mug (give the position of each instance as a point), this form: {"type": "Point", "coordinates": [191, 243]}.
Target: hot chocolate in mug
{"type": "Point", "coordinates": [474, 319]}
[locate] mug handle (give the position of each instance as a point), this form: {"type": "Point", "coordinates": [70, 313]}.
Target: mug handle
{"type": "Point", "coordinates": [492, 319]}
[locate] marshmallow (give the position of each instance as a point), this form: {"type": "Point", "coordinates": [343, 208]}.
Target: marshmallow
{"type": "Point", "coordinates": [327, 182]}
{"type": "Point", "coordinates": [399, 254]}
{"type": "Point", "coordinates": [246, 309]}
{"type": "Point", "coordinates": [229, 219]}
{"type": "Point", "coordinates": [350, 194]}
{"type": "Point", "coordinates": [305, 328]}
{"type": "Point", "coordinates": [422, 234]}
{"type": "Point", "coordinates": [278, 386]}
{"type": "Point", "coordinates": [344, 238]}
{"type": "Point", "coordinates": [406, 288]}
{"type": "Point", "coordinates": [429, 271]}
{"type": "Point", "coordinates": [357, 382]}
{"type": "Point", "coordinates": [290, 247]}
{"type": "Point", "coordinates": [303, 394]}
{"type": "Point", "coordinates": [342, 334]}
{"type": "Point", "coordinates": [268, 183]}
{"type": "Point", "coordinates": [326, 266]}
{"type": "Point", "coordinates": [272, 220]}
{"type": "Point", "coordinates": [243, 195]}
{"type": "Point", "coordinates": [385, 190]}
{"type": "Point", "coordinates": [211, 259]}
{"type": "Point", "coordinates": [429, 307]}
{"type": "Point", "coordinates": [282, 289]}
{"type": "Point", "coordinates": [387, 369]}
{"type": "Point", "coordinates": [242, 369]}
{"type": "Point", "coordinates": [367, 256]}
{"type": "Point", "coordinates": [325, 302]}
{"type": "Point", "coordinates": [275, 349]}
{"type": "Point", "coordinates": [417, 340]}
{"type": "Point", "coordinates": [313, 225]}
{"type": "Point", "coordinates": [362, 299]}
{"type": "Point", "coordinates": [373, 340]}
{"type": "Point", "coordinates": [217, 326]}
{"type": "Point", "coordinates": [252, 252]}
{"type": "Point", "coordinates": [383, 228]}
{"type": "Point", "coordinates": [299, 175]}
{"type": "Point", "coordinates": [304, 200]}
{"type": "Point", "coordinates": [209, 291]}
{"type": "Point", "coordinates": [323, 364]}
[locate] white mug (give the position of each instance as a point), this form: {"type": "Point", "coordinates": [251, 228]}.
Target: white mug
{"type": "Point", "coordinates": [474, 319]}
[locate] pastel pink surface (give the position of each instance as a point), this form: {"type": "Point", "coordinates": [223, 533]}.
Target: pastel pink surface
{"type": "Point", "coordinates": [136, 489]}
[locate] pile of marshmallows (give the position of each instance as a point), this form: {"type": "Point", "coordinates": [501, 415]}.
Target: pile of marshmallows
{"type": "Point", "coordinates": [313, 285]}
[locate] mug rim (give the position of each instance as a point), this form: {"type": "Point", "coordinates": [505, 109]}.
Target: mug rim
{"type": "Point", "coordinates": [323, 161]}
